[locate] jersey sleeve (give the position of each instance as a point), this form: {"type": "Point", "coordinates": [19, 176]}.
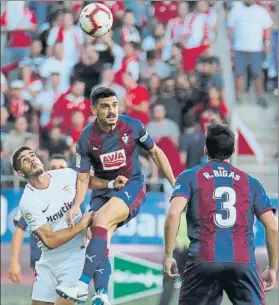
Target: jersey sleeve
{"type": "Point", "coordinates": [21, 224]}
{"type": "Point", "coordinates": [33, 215]}
{"type": "Point", "coordinates": [261, 202]}
{"type": "Point", "coordinates": [83, 162]}
{"type": "Point", "coordinates": [143, 137]}
{"type": "Point", "coordinates": [183, 186]}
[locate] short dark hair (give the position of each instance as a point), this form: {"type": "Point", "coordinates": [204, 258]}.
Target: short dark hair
{"type": "Point", "coordinates": [99, 93]}
{"type": "Point", "coordinates": [15, 160]}
{"type": "Point", "coordinates": [57, 157]}
{"type": "Point", "coordinates": [219, 141]}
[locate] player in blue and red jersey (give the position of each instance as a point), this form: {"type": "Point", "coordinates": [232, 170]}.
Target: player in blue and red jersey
{"type": "Point", "coordinates": [110, 146]}
{"type": "Point", "coordinates": [222, 202]}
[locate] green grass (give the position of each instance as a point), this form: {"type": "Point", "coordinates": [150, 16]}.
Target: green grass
{"type": "Point", "coordinates": [20, 295]}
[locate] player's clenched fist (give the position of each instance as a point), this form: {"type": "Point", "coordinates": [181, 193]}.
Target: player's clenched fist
{"type": "Point", "coordinates": [170, 267]}
{"type": "Point", "coordinates": [75, 210]}
{"type": "Point", "coordinates": [269, 278]}
{"type": "Point", "coordinates": [120, 182]}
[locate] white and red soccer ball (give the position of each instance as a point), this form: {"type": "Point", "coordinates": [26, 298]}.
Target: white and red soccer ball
{"type": "Point", "coordinates": [96, 19]}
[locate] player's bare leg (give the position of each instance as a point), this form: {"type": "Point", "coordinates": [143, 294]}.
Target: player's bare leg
{"type": "Point", "coordinates": [104, 223]}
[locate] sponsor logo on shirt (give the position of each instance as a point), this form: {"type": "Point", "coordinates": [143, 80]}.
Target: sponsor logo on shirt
{"type": "Point", "coordinates": [67, 206]}
{"type": "Point", "coordinates": [113, 160]}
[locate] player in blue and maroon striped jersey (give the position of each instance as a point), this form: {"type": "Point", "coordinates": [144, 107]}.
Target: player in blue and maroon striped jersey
{"type": "Point", "coordinates": [222, 202]}
{"type": "Point", "coordinates": [109, 145]}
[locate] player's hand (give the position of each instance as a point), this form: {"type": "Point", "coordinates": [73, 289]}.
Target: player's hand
{"type": "Point", "coordinates": [120, 182]}
{"type": "Point", "coordinates": [269, 279]}
{"type": "Point", "coordinates": [86, 219]}
{"type": "Point", "coordinates": [170, 268]}
{"type": "Point", "coordinates": [15, 273]}
{"type": "Point", "coordinates": [71, 215]}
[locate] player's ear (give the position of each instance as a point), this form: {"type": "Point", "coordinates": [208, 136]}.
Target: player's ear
{"type": "Point", "coordinates": [93, 109]}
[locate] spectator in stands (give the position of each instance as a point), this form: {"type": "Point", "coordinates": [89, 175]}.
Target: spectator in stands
{"type": "Point", "coordinates": [18, 106]}
{"type": "Point", "coordinates": [154, 86]}
{"type": "Point", "coordinates": [57, 63]}
{"type": "Point", "coordinates": [88, 69]}
{"type": "Point", "coordinates": [56, 143]}
{"type": "Point", "coordinates": [16, 136]}
{"type": "Point", "coordinates": [5, 125]}
{"type": "Point", "coordinates": [33, 61]}
{"type": "Point", "coordinates": [78, 123]}
{"type": "Point", "coordinates": [160, 126]}
{"type": "Point", "coordinates": [107, 80]}
{"type": "Point", "coordinates": [67, 103]}
{"type": "Point", "coordinates": [18, 26]}
{"type": "Point", "coordinates": [129, 63]}
{"type": "Point", "coordinates": [250, 27]}
{"type": "Point", "coordinates": [128, 31]}
{"type": "Point", "coordinates": [191, 143]}
{"type": "Point", "coordinates": [4, 90]}
{"type": "Point", "coordinates": [176, 26]}
{"type": "Point", "coordinates": [136, 99]}
{"type": "Point", "coordinates": [143, 11]}
{"type": "Point", "coordinates": [165, 10]}
{"type": "Point", "coordinates": [47, 97]}
{"type": "Point", "coordinates": [6, 168]}
{"type": "Point", "coordinates": [153, 65]}
{"type": "Point", "coordinates": [176, 60]}
{"type": "Point", "coordinates": [169, 100]}
{"type": "Point", "coordinates": [157, 41]}
{"type": "Point", "coordinates": [71, 36]}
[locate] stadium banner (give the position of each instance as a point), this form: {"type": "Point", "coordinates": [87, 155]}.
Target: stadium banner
{"type": "Point", "coordinates": [146, 229]}
{"type": "Point", "coordinates": [134, 278]}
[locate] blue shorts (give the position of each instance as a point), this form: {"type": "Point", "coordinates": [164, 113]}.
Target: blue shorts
{"type": "Point", "coordinates": [133, 194]}
{"type": "Point", "coordinates": [204, 282]}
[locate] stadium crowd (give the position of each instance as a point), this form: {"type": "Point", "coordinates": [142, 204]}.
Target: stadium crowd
{"type": "Point", "coordinates": [159, 58]}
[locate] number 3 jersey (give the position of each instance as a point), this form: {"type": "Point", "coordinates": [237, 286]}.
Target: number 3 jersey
{"type": "Point", "coordinates": [222, 204]}
{"type": "Point", "coordinates": [50, 206]}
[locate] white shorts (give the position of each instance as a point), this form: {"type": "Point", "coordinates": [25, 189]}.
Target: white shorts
{"type": "Point", "coordinates": [50, 273]}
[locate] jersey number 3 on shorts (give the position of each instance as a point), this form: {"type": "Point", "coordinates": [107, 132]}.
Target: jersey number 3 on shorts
{"type": "Point", "coordinates": [227, 205]}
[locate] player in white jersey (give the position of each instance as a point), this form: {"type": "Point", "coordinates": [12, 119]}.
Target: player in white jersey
{"type": "Point", "coordinates": [47, 197]}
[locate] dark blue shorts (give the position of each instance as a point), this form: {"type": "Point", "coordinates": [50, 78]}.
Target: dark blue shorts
{"type": "Point", "coordinates": [133, 194]}
{"type": "Point", "coordinates": [203, 284]}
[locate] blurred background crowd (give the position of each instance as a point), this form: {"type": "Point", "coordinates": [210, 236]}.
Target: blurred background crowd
{"type": "Point", "coordinates": [159, 58]}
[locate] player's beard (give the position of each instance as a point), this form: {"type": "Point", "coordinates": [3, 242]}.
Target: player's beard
{"type": "Point", "coordinates": [34, 174]}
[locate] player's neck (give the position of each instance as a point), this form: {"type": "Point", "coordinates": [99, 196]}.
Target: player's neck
{"type": "Point", "coordinates": [41, 182]}
{"type": "Point", "coordinates": [219, 160]}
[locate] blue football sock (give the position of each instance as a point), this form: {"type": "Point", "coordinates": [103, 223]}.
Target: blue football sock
{"type": "Point", "coordinates": [102, 274]}
{"type": "Point", "coordinates": [95, 253]}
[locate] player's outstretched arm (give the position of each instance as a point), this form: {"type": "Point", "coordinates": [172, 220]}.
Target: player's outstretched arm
{"type": "Point", "coordinates": [81, 189]}
{"type": "Point", "coordinates": [271, 232]}
{"type": "Point", "coordinates": [14, 270]}
{"type": "Point", "coordinates": [55, 239]}
{"type": "Point", "coordinates": [171, 228]}
{"type": "Point", "coordinates": [162, 163]}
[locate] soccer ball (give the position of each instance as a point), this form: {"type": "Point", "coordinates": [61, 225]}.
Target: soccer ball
{"type": "Point", "coordinates": [96, 19]}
